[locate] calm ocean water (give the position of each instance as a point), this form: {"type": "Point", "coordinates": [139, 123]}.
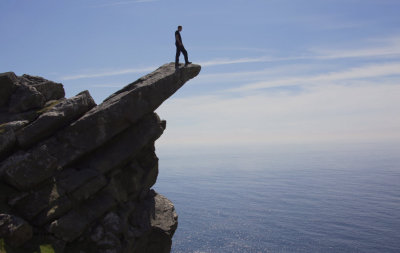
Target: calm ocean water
{"type": "Point", "coordinates": [342, 198]}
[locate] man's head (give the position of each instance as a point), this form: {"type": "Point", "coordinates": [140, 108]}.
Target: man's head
{"type": "Point", "coordinates": [180, 28]}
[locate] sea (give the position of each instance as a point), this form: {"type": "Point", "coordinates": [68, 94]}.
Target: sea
{"type": "Point", "coordinates": [284, 198]}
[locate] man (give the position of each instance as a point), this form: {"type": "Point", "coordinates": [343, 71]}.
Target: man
{"type": "Point", "coordinates": [180, 48]}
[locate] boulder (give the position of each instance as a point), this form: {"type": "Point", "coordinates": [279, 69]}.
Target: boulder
{"type": "Point", "coordinates": [72, 225]}
{"type": "Point", "coordinates": [15, 230]}
{"type": "Point", "coordinates": [123, 148]}
{"type": "Point", "coordinates": [8, 84]}
{"type": "Point", "coordinates": [148, 160]}
{"type": "Point", "coordinates": [14, 125]}
{"type": "Point", "coordinates": [57, 116]}
{"type": "Point", "coordinates": [31, 204]}
{"type": "Point", "coordinates": [71, 179]}
{"type": "Point", "coordinates": [165, 218]}
{"type": "Point", "coordinates": [31, 80]}
{"type": "Point", "coordinates": [146, 226]}
{"type": "Point", "coordinates": [157, 221]}
{"type": "Point", "coordinates": [6, 193]}
{"type": "Point", "coordinates": [50, 90]}
{"type": "Point", "coordinates": [25, 170]}
{"type": "Point", "coordinates": [25, 98]}
{"type": "Point", "coordinates": [6, 117]}
{"type": "Point", "coordinates": [53, 211]}
{"type": "Point", "coordinates": [7, 137]}
{"type": "Point", "coordinates": [7, 143]}
{"type": "Point", "coordinates": [89, 189]}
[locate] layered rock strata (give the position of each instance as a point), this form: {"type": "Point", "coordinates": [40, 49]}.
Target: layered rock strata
{"type": "Point", "coordinates": [76, 176]}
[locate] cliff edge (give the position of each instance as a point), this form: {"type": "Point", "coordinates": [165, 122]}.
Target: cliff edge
{"type": "Point", "coordinates": [76, 176]}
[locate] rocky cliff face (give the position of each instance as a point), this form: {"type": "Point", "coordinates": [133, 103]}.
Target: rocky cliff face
{"type": "Point", "coordinates": [76, 176]}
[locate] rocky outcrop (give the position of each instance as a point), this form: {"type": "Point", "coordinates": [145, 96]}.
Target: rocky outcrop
{"type": "Point", "coordinates": [76, 176]}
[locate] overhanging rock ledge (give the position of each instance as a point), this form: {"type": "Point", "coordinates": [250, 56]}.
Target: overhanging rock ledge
{"type": "Point", "coordinates": [77, 176]}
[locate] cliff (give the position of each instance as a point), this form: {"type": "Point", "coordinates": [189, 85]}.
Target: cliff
{"type": "Point", "coordinates": [76, 176]}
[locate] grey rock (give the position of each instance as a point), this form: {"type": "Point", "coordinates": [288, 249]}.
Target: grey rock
{"type": "Point", "coordinates": [25, 98]}
{"type": "Point", "coordinates": [108, 233]}
{"type": "Point", "coordinates": [56, 117]}
{"type": "Point", "coordinates": [119, 111]}
{"type": "Point", "coordinates": [31, 80]}
{"type": "Point", "coordinates": [7, 143]}
{"type": "Point", "coordinates": [82, 174]}
{"type": "Point", "coordinates": [139, 175]}
{"type": "Point", "coordinates": [24, 170]}
{"type": "Point", "coordinates": [149, 161]}
{"type": "Point", "coordinates": [165, 218]}
{"type": "Point", "coordinates": [144, 226]}
{"type": "Point", "coordinates": [89, 189]}
{"type": "Point", "coordinates": [6, 193]}
{"type": "Point", "coordinates": [14, 125]}
{"type": "Point", "coordinates": [165, 81]}
{"type": "Point", "coordinates": [109, 244]}
{"type": "Point", "coordinates": [125, 146]}
{"type": "Point", "coordinates": [113, 116]}
{"type": "Point", "coordinates": [15, 230]}
{"type": "Point", "coordinates": [53, 211]}
{"type": "Point", "coordinates": [72, 225]}
{"type": "Point", "coordinates": [8, 84]}
{"type": "Point", "coordinates": [125, 183]}
{"type": "Point", "coordinates": [112, 223]}
{"type": "Point", "coordinates": [50, 90]}
{"type": "Point", "coordinates": [157, 220]}
{"type": "Point", "coordinates": [71, 179]}
{"type": "Point", "coordinates": [31, 204]}
{"type": "Point", "coordinates": [8, 138]}
{"type": "Point", "coordinates": [97, 234]}
{"type": "Point", "coordinates": [29, 116]}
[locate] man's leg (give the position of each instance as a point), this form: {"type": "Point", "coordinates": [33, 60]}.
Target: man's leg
{"type": "Point", "coordinates": [178, 53]}
{"type": "Point", "coordinates": [185, 54]}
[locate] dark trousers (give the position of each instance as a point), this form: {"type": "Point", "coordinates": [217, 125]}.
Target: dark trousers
{"type": "Point", "coordinates": [180, 49]}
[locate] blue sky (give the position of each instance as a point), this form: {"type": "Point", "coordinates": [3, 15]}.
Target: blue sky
{"type": "Point", "coordinates": [274, 71]}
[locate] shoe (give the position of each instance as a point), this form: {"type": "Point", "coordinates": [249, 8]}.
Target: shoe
{"type": "Point", "coordinates": [187, 63]}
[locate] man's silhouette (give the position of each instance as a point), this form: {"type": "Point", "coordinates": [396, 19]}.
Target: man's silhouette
{"type": "Point", "coordinates": [180, 48]}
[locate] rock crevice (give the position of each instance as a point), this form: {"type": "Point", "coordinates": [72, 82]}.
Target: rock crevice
{"type": "Point", "coordinates": [76, 176]}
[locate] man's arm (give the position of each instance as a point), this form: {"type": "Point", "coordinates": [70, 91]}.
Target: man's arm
{"type": "Point", "coordinates": [177, 39]}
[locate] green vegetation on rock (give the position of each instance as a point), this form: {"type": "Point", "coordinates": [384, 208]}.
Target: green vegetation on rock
{"type": "Point", "coordinates": [48, 107]}
{"type": "Point", "coordinates": [2, 246]}
{"type": "Point", "coordinates": [2, 128]}
{"type": "Point", "coordinates": [47, 248]}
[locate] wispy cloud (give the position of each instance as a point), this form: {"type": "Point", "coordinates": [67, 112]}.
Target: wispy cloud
{"type": "Point", "coordinates": [226, 61]}
{"type": "Point", "coordinates": [110, 85]}
{"type": "Point", "coordinates": [393, 51]}
{"type": "Point", "coordinates": [108, 73]}
{"type": "Point", "coordinates": [124, 3]}
{"type": "Point", "coordinates": [229, 61]}
{"type": "Point", "coordinates": [256, 75]}
{"type": "Point", "coordinates": [104, 73]}
{"type": "Point", "coordinates": [235, 49]}
{"type": "Point", "coordinates": [368, 71]}
{"type": "Point", "coordinates": [389, 49]}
